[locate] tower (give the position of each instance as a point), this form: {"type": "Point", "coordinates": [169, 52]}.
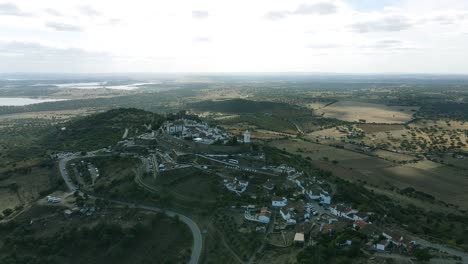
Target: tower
{"type": "Point", "coordinates": [246, 136]}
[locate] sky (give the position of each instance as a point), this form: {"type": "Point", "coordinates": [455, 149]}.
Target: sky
{"type": "Point", "coordinates": [338, 36]}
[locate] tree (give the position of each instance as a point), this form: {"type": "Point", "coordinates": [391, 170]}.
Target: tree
{"type": "Point", "coordinates": [7, 212]}
{"type": "Point", "coordinates": [422, 254]}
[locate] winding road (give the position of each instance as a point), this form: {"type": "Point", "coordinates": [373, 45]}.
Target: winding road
{"type": "Point", "coordinates": [196, 233]}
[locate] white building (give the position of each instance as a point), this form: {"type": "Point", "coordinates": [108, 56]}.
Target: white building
{"type": "Point", "coordinates": [279, 201]}
{"type": "Point", "coordinates": [246, 136]}
{"type": "Point", "coordinates": [237, 186]}
{"type": "Point", "coordinates": [382, 245]}
{"type": "Point", "coordinates": [287, 215]}
{"type": "Point", "coordinates": [326, 199]}
{"type": "Point", "coordinates": [263, 216]}
{"type": "Point", "coordinates": [344, 211]}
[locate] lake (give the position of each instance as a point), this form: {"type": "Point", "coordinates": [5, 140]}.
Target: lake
{"type": "Point", "coordinates": [18, 101]}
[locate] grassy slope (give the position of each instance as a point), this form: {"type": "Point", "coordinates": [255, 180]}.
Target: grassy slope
{"type": "Point", "coordinates": [274, 116]}
{"type": "Point", "coordinates": [100, 130]}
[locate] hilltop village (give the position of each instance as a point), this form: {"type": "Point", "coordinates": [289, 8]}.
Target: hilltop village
{"type": "Point", "coordinates": [274, 202]}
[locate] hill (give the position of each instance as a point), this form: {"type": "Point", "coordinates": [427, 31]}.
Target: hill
{"type": "Point", "coordinates": [101, 130]}
{"type": "Point", "coordinates": [238, 106]}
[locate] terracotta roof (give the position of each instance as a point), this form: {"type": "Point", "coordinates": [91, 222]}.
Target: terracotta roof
{"type": "Point", "coordinates": [360, 223]}
{"type": "Point", "coordinates": [267, 214]}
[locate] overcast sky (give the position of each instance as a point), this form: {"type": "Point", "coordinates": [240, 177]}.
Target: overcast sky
{"type": "Point", "coordinates": [342, 36]}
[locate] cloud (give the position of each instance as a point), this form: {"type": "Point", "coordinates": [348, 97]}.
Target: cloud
{"type": "Point", "coordinates": [10, 9]}
{"type": "Point", "coordinates": [89, 11]}
{"type": "Point", "coordinates": [321, 8]}
{"type": "Point", "coordinates": [200, 14]}
{"type": "Point", "coordinates": [277, 15]}
{"type": "Point", "coordinates": [386, 24]}
{"type": "Point", "coordinates": [448, 19]}
{"type": "Point", "coordinates": [116, 21]}
{"type": "Point", "coordinates": [316, 9]}
{"type": "Point", "coordinates": [325, 46]}
{"type": "Point", "coordinates": [28, 56]}
{"type": "Point", "coordinates": [63, 27]}
{"type": "Point", "coordinates": [388, 45]}
{"type": "Point", "coordinates": [53, 12]}
{"type": "Point", "coordinates": [202, 39]}
{"type": "Point", "coordinates": [384, 44]}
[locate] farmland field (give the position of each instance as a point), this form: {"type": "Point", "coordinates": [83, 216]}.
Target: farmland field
{"type": "Point", "coordinates": [373, 113]}
{"type": "Point", "coordinates": [443, 182]}
{"type": "Point", "coordinates": [373, 128]}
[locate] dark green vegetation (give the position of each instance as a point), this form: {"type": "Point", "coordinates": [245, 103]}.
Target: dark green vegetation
{"type": "Point", "coordinates": [244, 244]}
{"type": "Point", "coordinates": [101, 130]}
{"type": "Point", "coordinates": [275, 116]}
{"type": "Point", "coordinates": [137, 238]}
{"type": "Point", "coordinates": [327, 251]}
{"type": "Point", "coordinates": [190, 187]}
{"type": "Point", "coordinates": [117, 179]}
{"type": "Point", "coordinates": [35, 139]}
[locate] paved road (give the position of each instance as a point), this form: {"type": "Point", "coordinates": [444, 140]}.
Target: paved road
{"type": "Point", "coordinates": [449, 250]}
{"type": "Point", "coordinates": [196, 233]}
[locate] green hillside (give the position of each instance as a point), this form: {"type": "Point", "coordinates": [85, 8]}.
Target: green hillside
{"type": "Point", "coordinates": [101, 130]}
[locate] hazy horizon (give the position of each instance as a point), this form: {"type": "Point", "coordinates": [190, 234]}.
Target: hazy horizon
{"type": "Point", "coordinates": [299, 36]}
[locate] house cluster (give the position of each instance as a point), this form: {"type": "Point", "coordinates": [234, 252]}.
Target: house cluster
{"type": "Point", "coordinates": [384, 239]}
{"type": "Point", "coordinates": [349, 213]}
{"type": "Point", "coordinates": [292, 212]}
{"type": "Point", "coordinates": [394, 239]}
{"type": "Point", "coordinates": [263, 215]}
{"type": "Point", "coordinates": [196, 131]}
{"type": "Point", "coordinates": [312, 190]}
{"type": "Point", "coordinates": [237, 186]}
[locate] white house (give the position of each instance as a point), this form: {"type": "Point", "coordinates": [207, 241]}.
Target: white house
{"type": "Point", "coordinates": [314, 193]}
{"type": "Point", "coordinates": [382, 245]}
{"type": "Point", "coordinates": [362, 216]}
{"type": "Point", "coordinates": [263, 216]}
{"type": "Point", "coordinates": [326, 199]}
{"type": "Point", "coordinates": [343, 211]}
{"type": "Point", "coordinates": [398, 239]}
{"type": "Point", "coordinates": [279, 201]}
{"type": "Point", "coordinates": [287, 215]}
